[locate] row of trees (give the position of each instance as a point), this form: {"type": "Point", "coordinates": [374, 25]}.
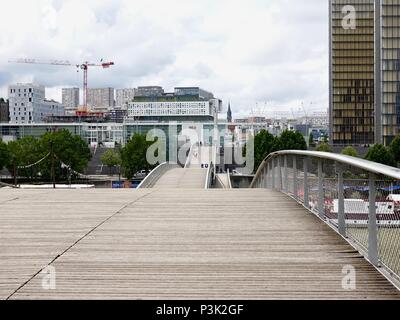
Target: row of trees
{"type": "Point", "coordinates": [265, 143]}
{"type": "Point", "coordinates": [377, 153]}
{"type": "Point", "coordinates": [56, 155]}
{"type": "Point", "coordinates": [131, 158]}
{"type": "Point", "coordinates": [67, 155]}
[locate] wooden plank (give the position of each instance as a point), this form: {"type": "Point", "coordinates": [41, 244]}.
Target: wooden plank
{"type": "Point", "coordinates": [175, 244]}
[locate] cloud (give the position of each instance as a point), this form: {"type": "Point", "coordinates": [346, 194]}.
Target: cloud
{"type": "Point", "coordinates": [275, 51]}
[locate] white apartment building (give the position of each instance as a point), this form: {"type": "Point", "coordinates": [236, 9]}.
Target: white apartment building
{"type": "Point", "coordinates": [170, 108]}
{"type": "Point", "coordinates": [27, 104]}
{"type": "Point", "coordinates": [123, 96]}
{"type": "Point", "coordinates": [70, 100]}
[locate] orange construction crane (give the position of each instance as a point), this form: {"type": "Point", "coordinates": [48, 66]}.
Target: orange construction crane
{"type": "Point", "coordinates": [84, 66]}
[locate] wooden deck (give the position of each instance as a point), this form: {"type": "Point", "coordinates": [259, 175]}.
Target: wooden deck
{"type": "Point", "coordinates": [179, 178]}
{"type": "Point", "coordinates": [174, 244]}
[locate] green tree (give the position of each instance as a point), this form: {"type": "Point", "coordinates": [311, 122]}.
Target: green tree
{"type": "Point", "coordinates": [350, 151]}
{"type": "Point", "coordinates": [380, 154]}
{"type": "Point", "coordinates": [4, 155]}
{"type": "Point", "coordinates": [324, 147]}
{"type": "Point", "coordinates": [290, 140]}
{"type": "Point", "coordinates": [24, 152]}
{"type": "Point", "coordinates": [66, 148]}
{"type": "Point", "coordinates": [111, 158]}
{"type": "Point", "coordinates": [395, 148]}
{"type": "Point", "coordinates": [263, 145]}
{"type": "Point", "coordinates": [133, 155]}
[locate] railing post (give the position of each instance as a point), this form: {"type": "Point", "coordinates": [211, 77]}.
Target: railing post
{"type": "Point", "coordinates": [321, 196]}
{"type": "Point", "coordinates": [341, 209]}
{"type": "Point", "coordinates": [285, 174]}
{"type": "Point", "coordinates": [273, 173]}
{"type": "Point", "coordinates": [265, 176]}
{"type": "Point", "coordinates": [269, 181]}
{"type": "Point", "coordinates": [295, 176]}
{"type": "Point", "coordinates": [372, 225]}
{"type": "Point", "coordinates": [305, 170]}
{"type": "Point", "coordinates": [280, 182]}
{"type": "Point", "coordinates": [262, 178]}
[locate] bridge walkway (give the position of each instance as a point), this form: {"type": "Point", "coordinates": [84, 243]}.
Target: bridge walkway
{"type": "Point", "coordinates": [174, 244]}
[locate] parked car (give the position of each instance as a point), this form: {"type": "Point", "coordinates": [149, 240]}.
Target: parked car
{"type": "Point", "coordinates": [141, 174]}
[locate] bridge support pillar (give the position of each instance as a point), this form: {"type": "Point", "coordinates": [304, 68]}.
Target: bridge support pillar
{"type": "Point", "coordinates": [305, 170]}
{"type": "Point", "coordinates": [321, 196]}
{"type": "Point", "coordinates": [372, 224]}
{"type": "Point", "coordinates": [341, 209]}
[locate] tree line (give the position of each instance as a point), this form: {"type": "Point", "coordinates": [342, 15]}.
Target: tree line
{"type": "Point", "coordinates": [62, 156]}
{"type": "Point", "coordinates": [57, 155]}
{"type": "Point", "coordinates": [265, 143]}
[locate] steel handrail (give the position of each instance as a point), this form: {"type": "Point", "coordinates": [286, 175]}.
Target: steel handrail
{"type": "Point", "coordinates": [379, 224]}
{"type": "Point", "coordinates": [208, 181]}
{"type": "Point", "coordinates": [363, 164]}
{"type": "Point", "coordinates": [150, 176]}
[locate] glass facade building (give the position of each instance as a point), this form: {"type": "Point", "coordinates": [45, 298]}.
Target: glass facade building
{"type": "Point", "coordinates": [364, 71]}
{"type": "Point", "coordinates": [388, 83]}
{"type": "Point", "coordinates": [352, 74]}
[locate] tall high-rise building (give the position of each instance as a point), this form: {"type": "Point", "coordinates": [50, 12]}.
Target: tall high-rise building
{"type": "Point", "coordinates": [70, 99]}
{"type": "Point", "coordinates": [364, 71]}
{"type": "Point", "coordinates": [387, 70]}
{"type": "Point", "coordinates": [352, 72]}
{"type": "Point", "coordinates": [123, 96]}
{"type": "Point", "coordinates": [100, 99]}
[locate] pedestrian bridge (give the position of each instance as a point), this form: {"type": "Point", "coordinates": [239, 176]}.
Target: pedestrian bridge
{"type": "Point", "coordinates": [280, 239]}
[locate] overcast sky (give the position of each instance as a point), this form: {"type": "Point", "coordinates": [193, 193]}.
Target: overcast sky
{"type": "Point", "coordinates": [245, 52]}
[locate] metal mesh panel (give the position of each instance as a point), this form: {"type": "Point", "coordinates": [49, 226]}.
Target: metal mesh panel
{"type": "Point", "coordinates": [290, 175]}
{"type": "Point", "coordinates": [356, 205]}
{"type": "Point", "coordinates": [313, 184]}
{"type": "Point", "coordinates": [388, 221]}
{"type": "Point", "coordinates": [341, 194]}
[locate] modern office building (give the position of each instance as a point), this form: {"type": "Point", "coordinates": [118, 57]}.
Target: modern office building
{"type": "Point", "coordinates": [364, 71]}
{"type": "Point", "coordinates": [100, 99]}
{"type": "Point", "coordinates": [95, 133]}
{"type": "Point", "coordinates": [70, 100]}
{"type": "Point", "coordinates": [27, 104]}
{"type": "Point", "coordinates": [184, 104]}
{"type": "Point", "coordinates": [123, 96]}
{"type": "Point", "coordinates": [387, 70]}
{"type": "Point", "coordinates": [352, 73]}
{"type": "Point", "coordinates": [4, 113]}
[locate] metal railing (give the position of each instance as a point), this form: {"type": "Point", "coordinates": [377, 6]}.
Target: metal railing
{"type": "Point", "coordinates": [210, 176]}
{"type": "Point", "coordinates": [193, 147]}
{"type": "Point", "coordinates": [228, 176]}
{"type": "Point", "coordinates": [155, 174]}
{"type": "Point", "coordinates": [358, 198]}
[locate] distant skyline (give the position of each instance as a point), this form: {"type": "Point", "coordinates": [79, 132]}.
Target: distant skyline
{"type": "Point", "coordinates": [273, 51]}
